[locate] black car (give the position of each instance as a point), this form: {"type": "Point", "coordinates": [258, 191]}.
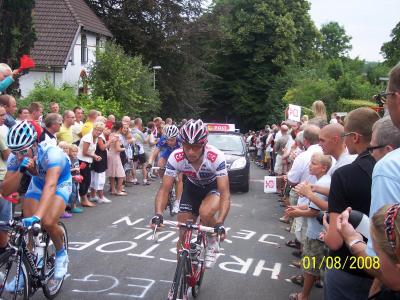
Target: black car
{"type": "Point", "coordinates": [238, 163]}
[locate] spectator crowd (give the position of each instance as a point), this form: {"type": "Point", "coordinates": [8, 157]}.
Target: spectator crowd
{"type": "Point", "coordinates": [99, 148]}
{"type": "Point", "coordinates": [328, 171]}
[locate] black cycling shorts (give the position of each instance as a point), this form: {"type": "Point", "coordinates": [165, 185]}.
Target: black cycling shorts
{"type": "Point", "coordinates": [193, 195]}
{"type": "Point", "coordinates": [141, 158]}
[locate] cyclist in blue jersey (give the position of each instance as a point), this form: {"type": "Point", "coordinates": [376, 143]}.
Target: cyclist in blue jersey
{"type": "Point", "coordinates": [168, 142]}
{"type": "Point", "coordinates": [49, 190]}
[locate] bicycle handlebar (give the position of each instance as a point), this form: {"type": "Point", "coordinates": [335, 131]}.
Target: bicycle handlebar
{"type": "Point", "coordinates": [190, 226]}
{"type": "Point", "coordinates": [18, 225]}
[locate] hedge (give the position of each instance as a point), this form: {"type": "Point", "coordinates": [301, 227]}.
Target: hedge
{"type": "Point", "coordinates": [346, 105]}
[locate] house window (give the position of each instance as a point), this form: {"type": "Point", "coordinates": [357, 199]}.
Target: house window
{"type": "Point", "coordinates": [84, 49]}
{"type": "Point", "coordinates": [99, 43]}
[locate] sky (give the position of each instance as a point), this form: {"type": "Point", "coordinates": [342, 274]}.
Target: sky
{"type": "Point", "coordinates": [368, 22]}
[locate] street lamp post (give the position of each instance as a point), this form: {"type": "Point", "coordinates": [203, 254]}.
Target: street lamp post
{"type": "Point", "coordinates": [154, 75]}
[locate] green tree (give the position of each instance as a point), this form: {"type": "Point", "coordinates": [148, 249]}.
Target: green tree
{"type": "Point", "coordinates": [17, 33]}
{"type": "Point", "coordinates": [257, 40]}
{"type": "Point", "coordinates": [123, 82]}
{"type": "Point", "coordinates": [391, 49]}
{"type": "Point", "coordinates": [335, 68]}
{"type": "Point", "coordinates": [161, 32]}
{"type": "Point", "coordinates": [335, 42]}
{"type": "Point", "coordinates": [376, 71]}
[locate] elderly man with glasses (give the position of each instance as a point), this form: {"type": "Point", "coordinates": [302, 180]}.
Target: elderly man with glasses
{"type": "Point", "coordinates": [53, 124]}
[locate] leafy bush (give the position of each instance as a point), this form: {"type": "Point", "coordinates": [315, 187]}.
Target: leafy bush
{"type": "Point", "coordinates": [346, 105]}
{"type": "Point", "coordinates": [306, 91]}
{"type": "Point", "coordinates": [88, 102]}
{"type": "Point", "coordinates": [44, 92]}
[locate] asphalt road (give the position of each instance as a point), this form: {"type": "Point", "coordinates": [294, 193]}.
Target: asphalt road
{"type": "Point", "coordinates": [113, 257]}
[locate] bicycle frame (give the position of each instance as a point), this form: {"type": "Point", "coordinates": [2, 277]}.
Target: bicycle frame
{"type": "Point", "coordinates": [191, 273]}
{"type": "Point", "coordinates": [20, 252]}
{"type": "Point", "coordinates": [195, 273]}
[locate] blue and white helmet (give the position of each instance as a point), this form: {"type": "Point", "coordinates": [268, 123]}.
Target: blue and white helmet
{"type": "Point", "coordinates": [21, 136]}
{"type": "Point", "coordinates": [171, 131]}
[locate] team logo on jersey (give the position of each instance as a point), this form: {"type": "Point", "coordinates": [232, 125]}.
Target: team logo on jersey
{"type": "Point", "coordinates": [179, 156]}
{"type": "Point", "coordinates": [205, 174]}
{"type": "Point", "coordinates": [190, 174]}
{"type": "Point", "coordinates": [211, 156]}
{"type": "Point", "coordinates": [221, 166]}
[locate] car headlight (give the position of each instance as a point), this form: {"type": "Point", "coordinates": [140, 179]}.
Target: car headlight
{"type": "Point", "coordinates": [238, 164]}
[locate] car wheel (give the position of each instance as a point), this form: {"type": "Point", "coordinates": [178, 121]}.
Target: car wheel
{"type": "Point", "coordinates": [246, 187]}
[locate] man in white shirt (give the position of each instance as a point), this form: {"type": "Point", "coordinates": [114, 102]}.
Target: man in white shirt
{"type": "Point", "coordinates": [77, 127]}
{"type": "Point", "coordinates": [300, 172]}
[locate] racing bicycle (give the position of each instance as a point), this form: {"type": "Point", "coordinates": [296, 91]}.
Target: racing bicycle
{"type": "Point", "coordinates": [35, 267]}
{"type": "Point", "coordinates": [172, 193]}
{"type": "Point", "coordinates": [191, 260]}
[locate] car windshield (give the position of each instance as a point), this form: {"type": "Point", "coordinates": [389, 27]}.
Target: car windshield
{"type": "Point", "coordinates": [226, 142]}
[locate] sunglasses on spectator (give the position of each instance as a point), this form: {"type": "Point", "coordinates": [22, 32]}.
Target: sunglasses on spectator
{"type": "Point", "coordinates": [381, 98]}
{"type": "Point", "coordinates": [343, 134]}
{"type": "Point", "coordinates": [372, 148]}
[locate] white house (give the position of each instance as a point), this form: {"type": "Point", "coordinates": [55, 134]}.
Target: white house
{"type": "Point", "coordinates": [68, 33]}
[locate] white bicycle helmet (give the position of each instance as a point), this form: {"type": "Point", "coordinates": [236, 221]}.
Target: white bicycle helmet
{"type": "Point", "coordinates": [171, 131]}
{"type": "Point", "coordinates": [194, 132]}
{"type": "Point", "coordinates": [21, 136]}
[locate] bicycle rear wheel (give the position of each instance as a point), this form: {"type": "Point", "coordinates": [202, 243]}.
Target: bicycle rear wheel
{"type": "Point", "coordinates": [52, 286]}
{"type": "Point", "coordinates": [180, 286]}
{"type": "Point", "coordinates": [8, 276]}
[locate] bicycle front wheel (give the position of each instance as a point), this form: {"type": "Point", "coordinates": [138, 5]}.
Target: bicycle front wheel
{"type": "Point", "coordinates": [52, 286]}
{"type": "Point", "coordinates": [10, 288]}
{"type": "Point", "coordinates": [179, 286]}
{"type": "Point", "coordinates": [200, 270]}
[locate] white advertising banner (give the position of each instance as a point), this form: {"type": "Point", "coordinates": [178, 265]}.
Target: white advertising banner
{"type": "Point", "coordinates": [294, 112]}
{"type": "Point", "coordinates": [270, 184]}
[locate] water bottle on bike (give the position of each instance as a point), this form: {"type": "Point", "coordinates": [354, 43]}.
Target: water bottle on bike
{"type": "Point", "coordinates": [195, 250]}
{"type": "Point", "coordinates": [39, 247]}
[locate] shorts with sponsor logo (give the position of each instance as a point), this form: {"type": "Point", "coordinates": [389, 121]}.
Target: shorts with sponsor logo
{"type": "Point", "coordinates": [193, 195]}
{"type": "Point", "coordinates": [35, 189]}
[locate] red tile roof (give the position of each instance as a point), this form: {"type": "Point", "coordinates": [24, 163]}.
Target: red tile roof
{"type": "Point", "coordinates": [56, 23]}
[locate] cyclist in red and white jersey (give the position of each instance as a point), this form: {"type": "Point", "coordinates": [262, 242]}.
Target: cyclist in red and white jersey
{"type": "Point", "coordinates": [205, 187]}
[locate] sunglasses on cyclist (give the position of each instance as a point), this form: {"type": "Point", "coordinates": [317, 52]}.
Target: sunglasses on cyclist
{"type": "Point", "coordinates": [23, 152]}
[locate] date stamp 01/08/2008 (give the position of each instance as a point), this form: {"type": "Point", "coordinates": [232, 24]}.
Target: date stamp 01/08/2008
{"type": "Point", "coordinates": [340, 263]}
